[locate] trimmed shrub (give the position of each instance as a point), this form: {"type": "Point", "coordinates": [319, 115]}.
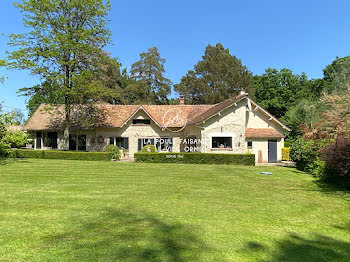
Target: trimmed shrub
{"type": "Point", "coordinates": [286, 144]}
{"type": "Point", "coordinates": [66, 155]}
{"type": "Point", "coordinates": [114, 150]}
{"type": "Point", "coordinates": [286, 154]}
{"type": "Point", "coordinates": [148, 149]}
{"type": "Point", "coordinates": [304, 154]}
{"type": "Point", "coordinates": [196, 158]}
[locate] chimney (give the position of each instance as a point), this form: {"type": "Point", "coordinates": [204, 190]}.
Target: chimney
{"type": "Point", "coordinates": [182, 99]}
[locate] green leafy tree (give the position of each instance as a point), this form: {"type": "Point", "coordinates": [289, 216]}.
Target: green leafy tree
{"type": "Point", "coordinates": [63, 46]}
{"type": "Point", "coordinates": [46, 93]}
{"type": "Point", "coordinates": [15, 117]}
{"type": "Point", "coordinates": [16, 139]}
{"type": "Point", "coordinates": [279, 90]}
{"type": "Point", "coordinates": [337, 74]}
{"type": "Point", "coordinates": [218, 76]}
{"type": "Point", "coordinates": [304, 115]}
{"type": "Point", "coordinates": [151, 84]}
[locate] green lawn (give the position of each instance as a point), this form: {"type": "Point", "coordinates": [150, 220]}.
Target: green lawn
{"type": "Point", "coordinates": [56, 210]}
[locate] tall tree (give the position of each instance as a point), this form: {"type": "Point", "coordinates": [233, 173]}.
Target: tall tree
{"type": "Point", "coordinates": [304, 115]}
{"type": "Point", "coordinates": [218, 76]}
{"type": "Point", "coordinates": [47, 92]}
{"type": "Point", "coordinates": [337, 74]}
{"type": "Point", "coordinates": [279, 90]}
{"type": "Point", "coordinates": [149, 74]}
{"type": "Point", "coordinates": [63, 45]}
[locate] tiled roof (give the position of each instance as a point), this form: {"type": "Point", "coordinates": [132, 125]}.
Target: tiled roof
{"type": "Point", "coordinates": [216, 109]}
{"type": "Point", "coordinates": [48, 117]}
{"type": "Point", "coordinates": [262, 133]}
{"type": "Point", "coordinates": [114, 116]}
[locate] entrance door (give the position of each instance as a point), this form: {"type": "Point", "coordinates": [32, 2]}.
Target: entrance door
{"type": "Point", "coordinates": [272, 151]}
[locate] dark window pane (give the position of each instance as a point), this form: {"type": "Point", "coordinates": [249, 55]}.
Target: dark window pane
{"type": "Point", "coordinates": [141, 121]}
{"type": "Point", "coordinates": [111, 140]}
{"type": "Point", "coordinates": [38, 139]}
{"type": "Point", "coordinates": [120, 142]}
{"type": "Point", "coordinates": [82, 142]}
{"type": "Point", "coordinates": [51, 140]}
{"type": "Point", "coordinates": [72, 142]}
{"type": "Point", "coordinates": [250, 144]}
{"type": "Point", "coordinates": [145, 141]}
{"type": "Point", "coordinates": [221, 142]}
{"type": "Point", "coordinates": [164, 144]}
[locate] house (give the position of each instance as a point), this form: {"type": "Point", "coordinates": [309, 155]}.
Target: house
{"type": "Point", "coordinates": [236, 125]}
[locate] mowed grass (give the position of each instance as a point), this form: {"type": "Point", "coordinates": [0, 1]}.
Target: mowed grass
{"type": "Point", "coordinates": [56, 210]}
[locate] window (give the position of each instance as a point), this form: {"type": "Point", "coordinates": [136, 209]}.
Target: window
{"type": "Point", "coordinates": [221, 142]}
{"type": "Point", "coordinates": [122, 142]}
{"type": "Point", "coordinates": [250, 144]}
{"type": "Point", "coordinates": [141, 142]}
{"type": "Point", "coordinates": [51, 140]}
{"type": "Point", "coordinates": [164, 144]}
{"type": "Point", "coordinates": [141, 122]}
{"type": "Point", "coordinates": [80, 140]}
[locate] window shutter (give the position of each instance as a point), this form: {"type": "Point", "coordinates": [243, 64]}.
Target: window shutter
{"type": "Point", "coordinates": [139, 144]}
{"type": "Point", "coordinates": [126, 143]}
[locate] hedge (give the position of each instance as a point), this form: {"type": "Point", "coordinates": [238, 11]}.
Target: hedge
{"type": "Point", "coordinates": [286, 154]}
{"type": "Point", "coordinates": [67, 155]}
{"type": "Point", "coordinates": [196, 158]}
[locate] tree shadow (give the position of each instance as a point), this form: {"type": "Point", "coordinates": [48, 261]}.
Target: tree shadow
{"type": "Point", "coordinates": [113, 235]}
{"type": "Point", "coordinates": [9, 161]}
{"type": "Point", "coordinates": [332, 186]}
{"type": "Point", "coordinates": [318, 248]}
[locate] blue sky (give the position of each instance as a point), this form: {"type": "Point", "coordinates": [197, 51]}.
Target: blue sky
{"type": "Point", "coordinates": [304, 36]}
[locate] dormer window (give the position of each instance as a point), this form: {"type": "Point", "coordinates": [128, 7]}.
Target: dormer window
{"type": "Point", "coordinates": [141, 122]}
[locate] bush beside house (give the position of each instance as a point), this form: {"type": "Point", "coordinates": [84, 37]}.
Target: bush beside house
{"type": "Point", "coordinates": [149, 149]}
{"type": "Point", "coordinates": [114, 150]}
{"type": "Point", "coordinates": [327, 160]}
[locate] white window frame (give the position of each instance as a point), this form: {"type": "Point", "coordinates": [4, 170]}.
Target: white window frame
{"type": "Point", "coordinates": [232, 135]}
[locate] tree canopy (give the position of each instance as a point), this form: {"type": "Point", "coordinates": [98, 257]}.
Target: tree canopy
{"type": "Point", "coordinates": [63, 46]}
{"type": "Point", "coordinates": [151, 84]}
{"type": "Point", "coordinates": [337, 74]}
{"type": "Point", "coordinates": [218, 76]}
{"type": "Point", "coordinates": [279, 90]}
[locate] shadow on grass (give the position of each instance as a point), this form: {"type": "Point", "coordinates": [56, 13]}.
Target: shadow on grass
{"type": "Point", "coordinates": [8, 161]}
{"type": "Point", "coordinates": [318, 248]}
{"type": "Point", "coordinates": [332, 187]}
{"type": "Point", "coordinates": [112, 235]}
